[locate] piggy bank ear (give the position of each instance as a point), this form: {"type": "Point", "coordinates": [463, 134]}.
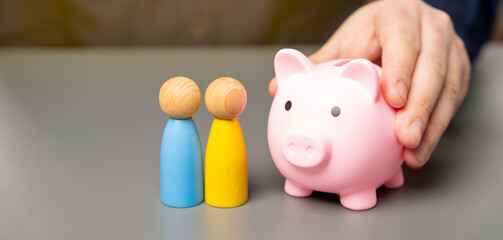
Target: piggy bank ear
{"type": "Point", "coordinates": [364, 72]}
{"type": "Point", "coordinates": [289, 62]}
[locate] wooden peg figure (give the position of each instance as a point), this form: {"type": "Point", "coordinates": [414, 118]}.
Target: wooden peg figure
{"type": "Point", "coordinates": [181, 154]}
{"type": "Point", "coordinates": [226, 175]}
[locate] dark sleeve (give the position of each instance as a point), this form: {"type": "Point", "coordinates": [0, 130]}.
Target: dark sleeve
{"type": "Point", "coordinates": [472, 19]}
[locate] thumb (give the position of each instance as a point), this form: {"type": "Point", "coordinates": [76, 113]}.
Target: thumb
{"type": "Point", "coordinates": [327, 52]}
{"type": "Point", "coordinates": [273, 86]}
{"type": "Point", "coordinates": [339, 46]}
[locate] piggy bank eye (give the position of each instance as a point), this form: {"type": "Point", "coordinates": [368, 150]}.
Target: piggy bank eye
{"type": "Point", "coordinates": [336, 111]}
{"type": "Point", "coordinates": [288, 105]}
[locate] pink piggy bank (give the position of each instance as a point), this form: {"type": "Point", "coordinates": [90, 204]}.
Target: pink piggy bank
{"type": "Point", "coordinates": [330, 129]}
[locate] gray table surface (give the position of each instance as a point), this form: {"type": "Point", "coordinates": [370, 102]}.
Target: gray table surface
{"type": "Point", "coordinates": [80, 132]}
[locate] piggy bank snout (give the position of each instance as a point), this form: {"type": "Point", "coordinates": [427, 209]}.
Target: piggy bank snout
{"type": "Point", "coordinates": [306, 149]}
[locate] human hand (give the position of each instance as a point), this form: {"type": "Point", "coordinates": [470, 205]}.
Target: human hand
{"type": "Point", "coordinates": [425, 65]}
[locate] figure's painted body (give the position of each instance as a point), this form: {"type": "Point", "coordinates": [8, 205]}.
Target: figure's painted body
{"type": "Point", "coordinates": [181, 164]}
{"type": "Point", "coordinates": [226, 180]}
{"type": "Point", "coordinates": [338, 134]}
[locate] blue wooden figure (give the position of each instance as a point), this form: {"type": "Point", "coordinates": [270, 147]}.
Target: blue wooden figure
{"type": "Point", "coordinates": [181, 155]}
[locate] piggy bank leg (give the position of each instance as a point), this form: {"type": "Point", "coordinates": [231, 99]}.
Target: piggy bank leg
{"type": "Point", "coordinates": [295, 190]}
{"type": "Point", "coordinates": [361, 200]}
{"type": "Point", "coordinates": [396, 181]}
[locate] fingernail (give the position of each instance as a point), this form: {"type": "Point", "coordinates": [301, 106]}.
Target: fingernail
{"type": "Point", "coordinates": [422, 152]}
{"type": "Point", "coordinates": [401, 89]}
{"type": "Point", "coordinates": [417, 128]}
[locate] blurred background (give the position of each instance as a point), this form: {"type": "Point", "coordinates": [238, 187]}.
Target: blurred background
{"type": "Point", "coordinates": [498, 26]}
{"type": "Point", "coordinates": [173, 22]}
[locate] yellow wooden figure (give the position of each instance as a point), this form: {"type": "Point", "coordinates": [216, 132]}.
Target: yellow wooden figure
{"type": "Point", "coordinates": [226, 174]}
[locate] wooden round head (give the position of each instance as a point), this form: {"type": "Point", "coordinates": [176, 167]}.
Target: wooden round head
{"type": "Point", "coordinates": [179, 97]}
{"type": "Point", "coordinates": [225, 98]}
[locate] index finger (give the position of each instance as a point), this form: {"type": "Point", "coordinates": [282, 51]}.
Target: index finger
{"type": "Point", "coordinates": [398, 31]}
